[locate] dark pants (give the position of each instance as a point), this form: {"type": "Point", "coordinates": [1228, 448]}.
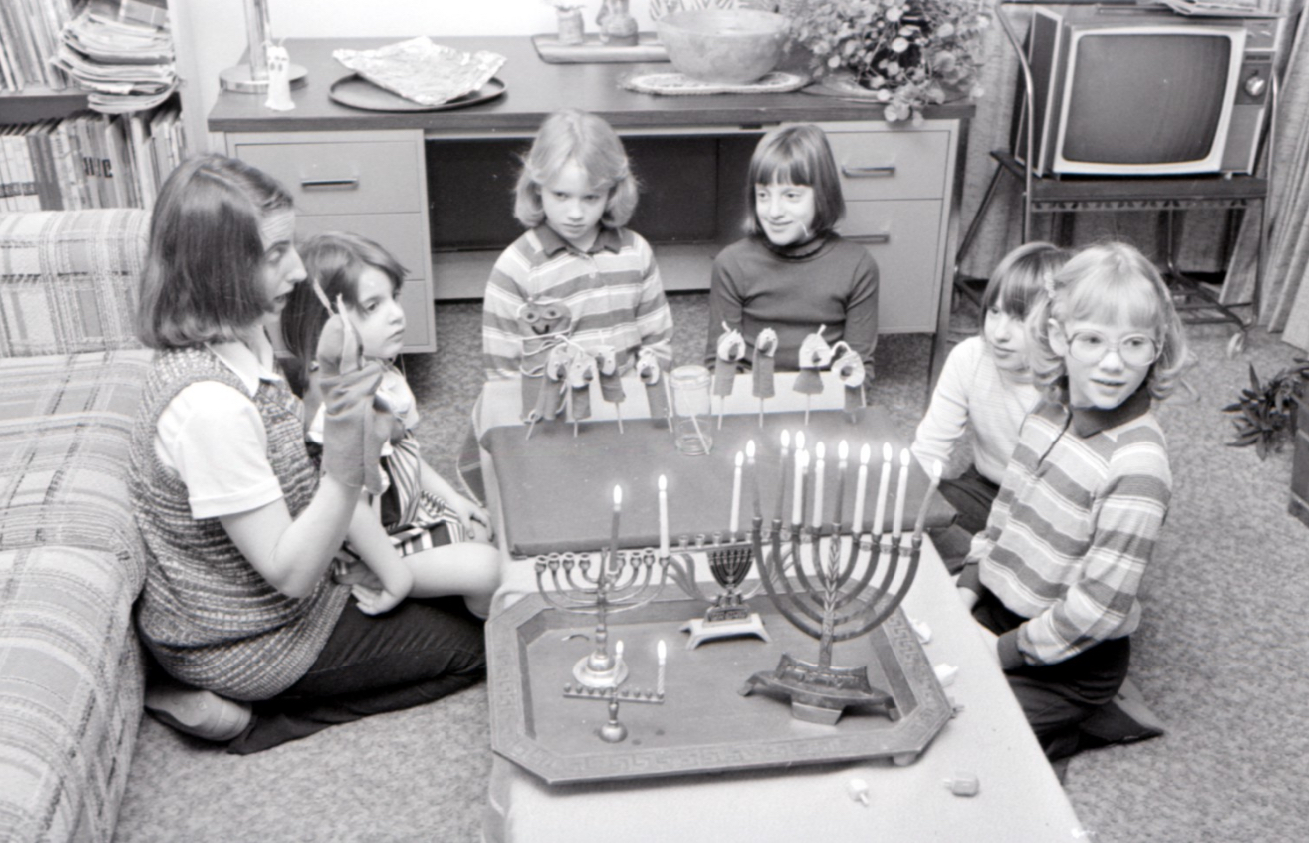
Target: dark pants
{"type": "Point", "coordinates": [418, 652]}
{"type": "Point", "coordinates": [1057, 698]}
{"type": "Point", "coordinates": [971, 495]}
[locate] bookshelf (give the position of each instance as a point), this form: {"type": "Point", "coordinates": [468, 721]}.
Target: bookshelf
{"type": "Point", "coordinates": [65, 146]}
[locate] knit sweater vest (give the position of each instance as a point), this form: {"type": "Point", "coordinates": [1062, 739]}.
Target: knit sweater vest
{"type": "Point", "coordinates": [206, 614]}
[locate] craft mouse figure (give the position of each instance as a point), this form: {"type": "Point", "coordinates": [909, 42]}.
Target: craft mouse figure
{"type": "Point", "coordinates": [279, 78]}
{"type": "Point", "coordinates": [815, 354]}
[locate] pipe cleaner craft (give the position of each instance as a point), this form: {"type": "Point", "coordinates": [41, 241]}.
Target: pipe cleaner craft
{"type": "Point", "coordinates": [544, 327]}
{"type": "Point", "coordinates": [651, 373]}
{"type": "Point", "coordinates": [611, 383]}
{"type": "Point", "coordinates": [730, 350]}
{"type": "Point", "coordinates": [762, 369]}
{"type": "Point", "coordinates": [581, 371]}
{"type": "Point", "coordinates": [849, 368]}
{"type": "Point", "coordinates": [815, 355]}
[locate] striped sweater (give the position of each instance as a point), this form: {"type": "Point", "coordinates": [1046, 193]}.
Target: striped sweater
{"type": "Point", "coordinates": [205, 613]}
{"type": "Point", "coordinates": [1073, 528]}
{"type": "Point", "coordinates": [613, 292]}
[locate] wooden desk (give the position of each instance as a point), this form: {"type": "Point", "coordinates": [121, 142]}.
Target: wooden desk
{"type": "Point", "coordinates": [369, 171]}
{"type": "Point", "coordinates": [1020, 801]}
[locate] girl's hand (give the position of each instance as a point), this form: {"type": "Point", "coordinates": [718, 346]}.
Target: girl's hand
{"type": "Point", "coordinates": [470, 515]}
{"type": "Point", "coordinates": [374, 602]}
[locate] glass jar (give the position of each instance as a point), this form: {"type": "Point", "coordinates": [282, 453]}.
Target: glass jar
{"type": "Point", "coordinates": [691, 412]}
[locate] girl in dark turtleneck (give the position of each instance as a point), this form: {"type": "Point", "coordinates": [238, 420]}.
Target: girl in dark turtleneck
{"type": "Point", "coordinates": [793, 272]}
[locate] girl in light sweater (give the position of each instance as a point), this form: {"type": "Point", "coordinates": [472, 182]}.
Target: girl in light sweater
{"type": "Point", "coordinates": [985, 389]}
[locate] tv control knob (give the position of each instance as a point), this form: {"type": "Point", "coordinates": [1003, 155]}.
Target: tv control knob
{"type": "Point", "coordinates": [1255, 85]}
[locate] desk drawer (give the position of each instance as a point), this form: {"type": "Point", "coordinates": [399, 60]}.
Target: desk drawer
{"type": "Point", "coordinates": [344, 178]}
{"type": "Point", "coordinates": [891, 165]}
{"type": "Point", "coordinates": [902, 238]}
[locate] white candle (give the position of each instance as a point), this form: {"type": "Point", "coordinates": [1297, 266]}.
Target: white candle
{"type": "Point", "coordinates": [613, 541]}
{"type": "Point", "coordinates": [883, 485]}
{"type": "Point", "coordinates": [663, 517]}
{"type": "Point", "coordinates": [931, 487]}
{"type": "Point", "coordinates": [736, 497]}
{"type": "Point", "coordinates": [618, 653]}
{"type": "Point", "coordinates": [754, 477]}
{"type": "Point", "coordinates": [861, 489]}
{"type": "Point", "coordinates": [797, 508]}
{"type": "Point", "coordinates": [663, 661]}
{"type": "Point", "coordinates": [842, 457]}
{"type": "Point", "coordinates": [901, 487]}
{"type": "Point", "coordinates": [819, 453]}
{"type": "Point", "coordinates": [781, 474]}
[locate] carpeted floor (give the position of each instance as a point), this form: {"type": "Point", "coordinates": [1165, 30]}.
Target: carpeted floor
{"type": "Point", "coordinates": [1221, 656]}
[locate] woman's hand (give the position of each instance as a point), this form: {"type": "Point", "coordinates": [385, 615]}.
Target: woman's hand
{"type": "Point", "coordinates": [374, 602]}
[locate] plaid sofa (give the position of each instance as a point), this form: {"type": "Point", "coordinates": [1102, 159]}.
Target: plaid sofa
{"type": "Point", "coordinates": [71, 666]}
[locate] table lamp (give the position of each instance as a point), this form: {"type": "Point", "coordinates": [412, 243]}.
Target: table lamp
{"type": "Point", "coordinates": [252, 77]}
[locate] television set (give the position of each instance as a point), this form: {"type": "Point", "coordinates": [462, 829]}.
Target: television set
{"type": "Point", "coordinates": [1134, 90]}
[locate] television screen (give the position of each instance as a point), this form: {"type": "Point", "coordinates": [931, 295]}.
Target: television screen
{"type": "Point", "coordinates": [1148, 97]}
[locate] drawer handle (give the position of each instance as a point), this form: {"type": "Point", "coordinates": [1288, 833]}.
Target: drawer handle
{"type": "Point", "coordinates": [310, 184]}
{"type": "Point", "coordinates": [885, 171]}
{"type": "Point", "coordinates": [871, 239]}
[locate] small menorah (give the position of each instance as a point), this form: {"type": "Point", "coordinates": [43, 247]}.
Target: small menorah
{"type": "Point", "coordinates": [830, 603]}
{"type": "Point", "coordinates": [727, 615]}
{"type": "Point", "coordinates": [614, 731]}
{"type": "Point", "coordinates": [621, 582]}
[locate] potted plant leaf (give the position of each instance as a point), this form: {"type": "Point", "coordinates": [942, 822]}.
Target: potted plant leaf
{"type": "Point", "coordinates": [1271, 413]}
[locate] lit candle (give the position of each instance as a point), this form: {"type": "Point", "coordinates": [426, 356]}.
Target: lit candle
{"type": "Point", "coordinates": [901, 486]}
{"type": "Point", "coordinates": [754, 476]}
{"type": "Point", "coordinates": [781, 474]}
{"type": "Point", "coordinates": [842, 457]}
{"type": "Point", "coordinates": [931, 487]}
{"type": "Point", "coordinates": [879, 526]}
{"type": "Point", "coordinates": [736, 497]}
{"type": "Point", "coordinates": [613, 541]}
{"type": "Point", "coordinates": [663, 517]}
{"type": "Point", "coordinates": [663, 662]}
{"type": "Point", "coordinates": [797, 508]}
{"type": "Point", "coordinates": [861, 489]}
{"type": "Point", "coordinates": [819, 453]}
{"type": "Point", "coordinates": [799, 440]}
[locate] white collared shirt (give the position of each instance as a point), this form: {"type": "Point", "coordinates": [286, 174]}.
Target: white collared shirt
{"type": "Point", "coordinates": [214, 438]}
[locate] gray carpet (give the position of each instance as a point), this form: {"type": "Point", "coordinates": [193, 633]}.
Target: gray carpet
{"type": "Point", "coordinates": [1220, 657]}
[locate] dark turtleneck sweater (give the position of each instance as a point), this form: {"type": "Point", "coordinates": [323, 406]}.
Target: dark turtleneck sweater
{"type": "Point", "coordinates": [793, 290]}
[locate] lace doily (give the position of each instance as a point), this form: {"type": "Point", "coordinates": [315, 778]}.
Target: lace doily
{"type": "Point", "coordinates": [679, 84]}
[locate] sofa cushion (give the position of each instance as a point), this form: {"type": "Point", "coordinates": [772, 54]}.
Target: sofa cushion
{"type": "Point", "coordinates": [65, 428]}
{"type": "Point", "coordinates": [71, 689]}
{"type": "Point", "coordinates": [69, 280]}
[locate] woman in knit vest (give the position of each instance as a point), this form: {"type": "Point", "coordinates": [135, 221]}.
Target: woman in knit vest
{"type": "Point", "coordinates": [258, 644]}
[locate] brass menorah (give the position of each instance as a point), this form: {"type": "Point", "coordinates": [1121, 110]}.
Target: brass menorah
{"type": "Point", "coordinates": [727, 615]}
{"type": "Point", "coordinates": [845, 590]}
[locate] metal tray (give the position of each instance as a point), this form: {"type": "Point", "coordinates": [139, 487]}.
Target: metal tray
{"type": "Point", "coordinates": [704, 725]}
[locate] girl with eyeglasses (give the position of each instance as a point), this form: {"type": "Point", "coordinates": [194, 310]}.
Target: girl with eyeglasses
{"type": "Point", "coordinates": [1053, 579]}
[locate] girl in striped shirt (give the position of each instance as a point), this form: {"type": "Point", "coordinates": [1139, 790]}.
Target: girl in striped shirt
{"type": "Point", "coordinates": [1053, 579]}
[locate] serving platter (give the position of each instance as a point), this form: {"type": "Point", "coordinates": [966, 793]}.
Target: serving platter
{"type": "Point", "coordinates": [355, 91]}
{"type": "Point", "coordinates": [704, 725]}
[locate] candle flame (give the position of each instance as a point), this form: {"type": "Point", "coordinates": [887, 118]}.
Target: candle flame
{"type": "Point", "coordinates": [886, 452]}
{"type": "Point", "coordinates": [799, 440]}
{"type": "Point", "coordinates": [904, 456]}
{"type": "Point", "coordinates": [663, 652]}
{"type": "Point", "coordinates": [865, 452]}
{"type": "Point", "coordinates": [663, 483]}
{"type": "Point", "coordinates": [843, 451]}
{"type": "Point", "coordinates": [618, 496]}
{"type": "Point", "coordinates": [820, 451]}
{"type": "Point", "coordinates": [749, 449]}
{"type": "Point", "coordinates": [618, 649]}
{"type": "Point", "coordinates": [740, 459]}
{"type": "Point", "coordinates": [786, 439]}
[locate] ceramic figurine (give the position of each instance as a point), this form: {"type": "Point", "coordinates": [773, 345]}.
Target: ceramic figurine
{"type": "Point", "coordinates": [617, 26]}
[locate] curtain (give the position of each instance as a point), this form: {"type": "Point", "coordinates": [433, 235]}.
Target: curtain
{"type": "Point", "coordinates": [1201, 235]}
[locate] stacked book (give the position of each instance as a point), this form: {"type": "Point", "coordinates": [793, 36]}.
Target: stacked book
{"type": "Point", "coordinates": [29, 40]}
{"type": "Point", "coordinates": [125, 62]}
{"type": "Point", "coordinates": [89, 160]}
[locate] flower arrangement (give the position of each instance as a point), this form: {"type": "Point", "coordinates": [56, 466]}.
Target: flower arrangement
{"type": "Point", "coordinates": [905, 53]}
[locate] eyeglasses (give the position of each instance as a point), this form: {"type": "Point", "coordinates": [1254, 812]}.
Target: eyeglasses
{"type": "Point", "coordinates": [1134, 349]}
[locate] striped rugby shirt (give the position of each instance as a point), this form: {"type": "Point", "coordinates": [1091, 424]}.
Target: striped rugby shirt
{"type": "Point", "coordinates": [613, 291]}
{"type": "Point", "coordinates": [1073, 528]}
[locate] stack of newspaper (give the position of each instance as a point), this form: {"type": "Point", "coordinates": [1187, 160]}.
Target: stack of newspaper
{"type": "Point", "coordinates": [126, 64]}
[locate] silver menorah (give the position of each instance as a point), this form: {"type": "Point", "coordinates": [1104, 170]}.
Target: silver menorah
{"type": "Point", "coordinates": [826, 600]}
